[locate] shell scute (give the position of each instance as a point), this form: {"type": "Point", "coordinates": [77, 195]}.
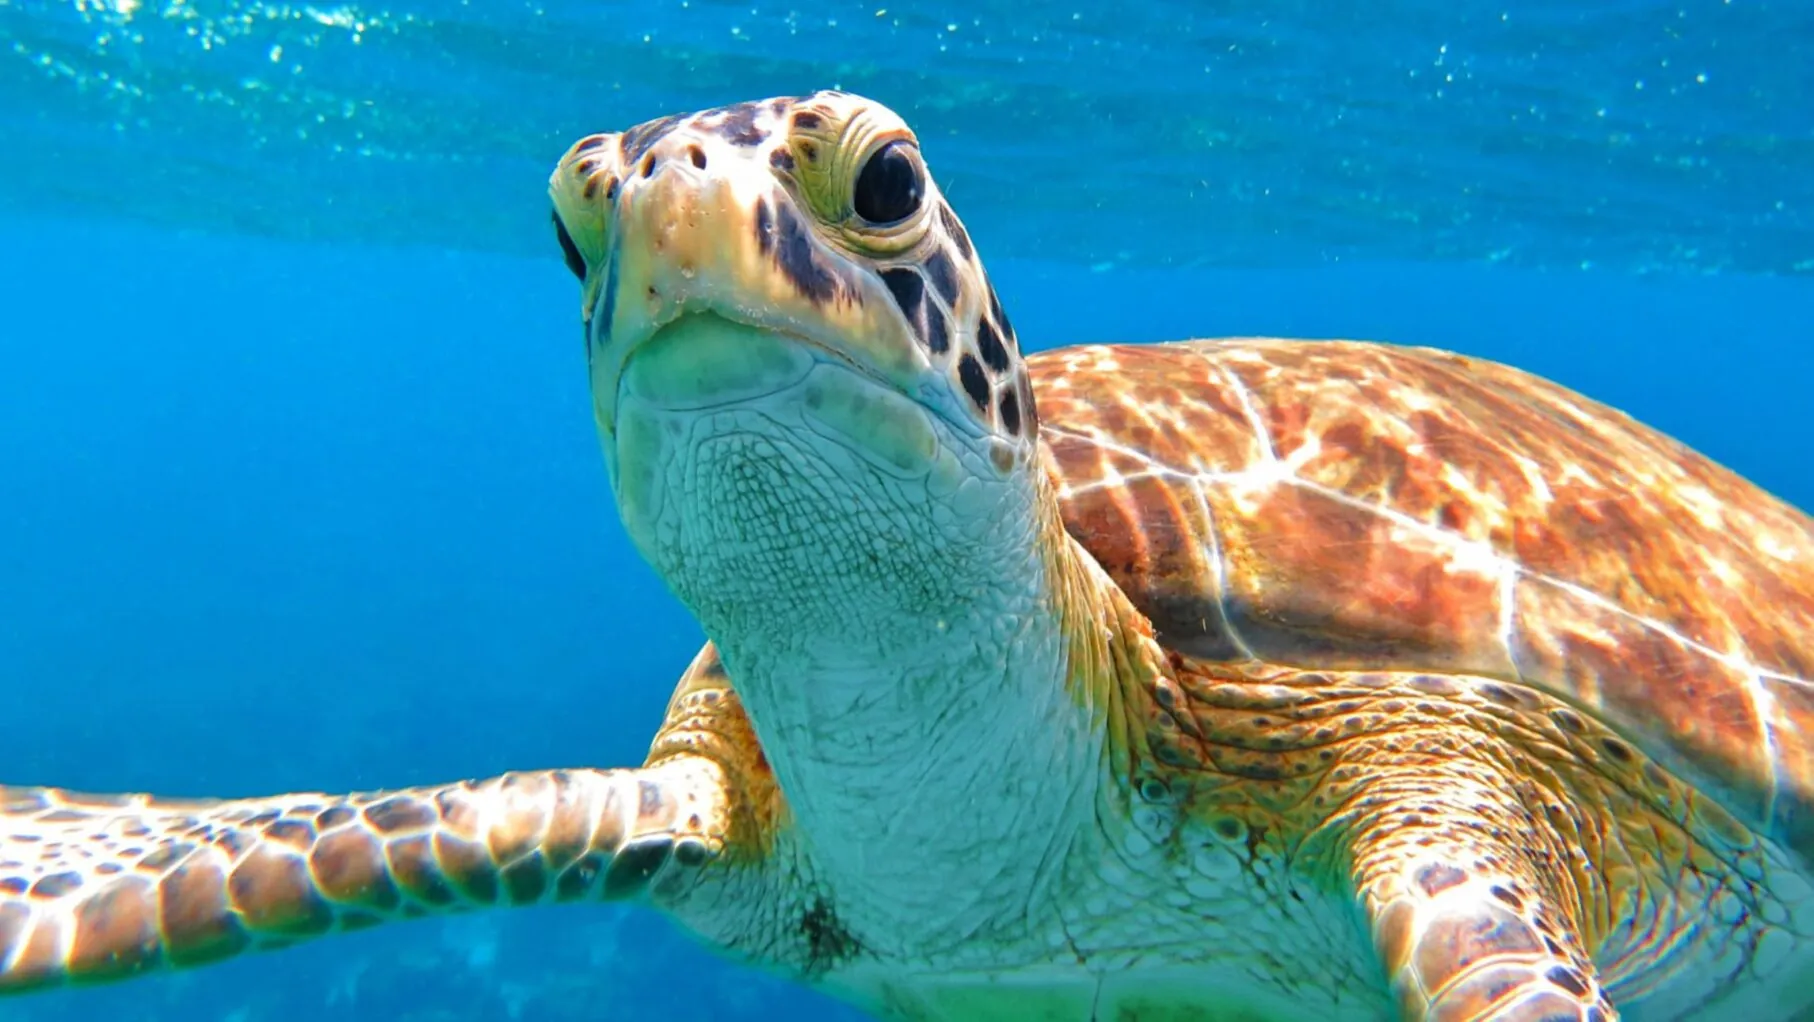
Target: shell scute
{"type": "Point", "coordinates": [1313, 577]}
{"type": "Point", "coordinates": [1601, 656]}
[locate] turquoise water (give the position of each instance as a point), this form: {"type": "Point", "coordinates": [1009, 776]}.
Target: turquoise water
{"type": "Point", "coordinates": [297, 469]}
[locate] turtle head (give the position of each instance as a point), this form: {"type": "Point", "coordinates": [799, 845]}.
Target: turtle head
{"type": "Point", "coordinates": [784, 320]}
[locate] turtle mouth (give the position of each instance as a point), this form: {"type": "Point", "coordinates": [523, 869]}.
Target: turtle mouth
{"type": "Point", "coordinates": [705, 358]}
{"type": "Point", "coordinates": [702, 364]}
{"type": "Point", "coordinates": [702, 360]}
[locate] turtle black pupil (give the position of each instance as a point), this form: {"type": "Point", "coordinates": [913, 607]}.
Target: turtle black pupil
{"type": "Point", "coordinates": [888, 188]}
{"type": "Point", "coordinates": [575, 261]}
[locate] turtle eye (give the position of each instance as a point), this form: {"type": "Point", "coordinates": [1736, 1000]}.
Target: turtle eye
{"type": "Point", "coordinates": [575, 261]}
{"type": "Point", "coordinates": [888, 188]}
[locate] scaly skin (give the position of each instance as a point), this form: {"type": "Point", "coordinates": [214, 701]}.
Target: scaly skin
{"type": "Point", "coordinates": [1216, 680]}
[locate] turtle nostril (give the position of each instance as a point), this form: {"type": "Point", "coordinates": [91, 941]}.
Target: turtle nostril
{"type": "Point", "coordinates": [575, 261]}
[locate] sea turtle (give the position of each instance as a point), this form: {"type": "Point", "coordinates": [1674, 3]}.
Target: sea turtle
{"type": "Point", "coordinates": [1226, 679]}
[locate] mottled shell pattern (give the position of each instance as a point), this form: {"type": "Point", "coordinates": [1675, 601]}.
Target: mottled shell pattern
{"type": "Point", "coordinates": [1350, 505]}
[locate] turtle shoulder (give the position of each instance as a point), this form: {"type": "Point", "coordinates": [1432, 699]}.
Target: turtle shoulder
{"type": "Point", "coordinates": [1340, 504]}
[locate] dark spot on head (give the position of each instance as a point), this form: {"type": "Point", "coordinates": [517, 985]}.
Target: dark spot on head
{"type": "Point", "coordinates": [798, 258]}
{"type": "Point", "coordinates": [697, 155]}
{"type": "Point", "coordinates": [956, 230]}
{"type": "Point", "coordinates": [908, 289]}
{"type": "Point", "coordinates": [765, 226]}
{"type": "Point", "coordinates": [1228, 828]}
{"type": "Point", "coordinates": [1619, 751]}
{"type": "Point", "coordinates": [809, 151]}
{"type": "Point", "coordinates": [938, 330]}
{"type": "Point", "coordinates": [806, 120]}
{"type": "Point", "coordinates": [589, 143]}
{"type": "Point", "coordinates": [989, 346]}
{"type": "Point", "coordinates": [976, 383]}
{"type": "Point", "coordinates": [943, 277]}
{"type": "Point", "coordinates": [1009, 406]}
{"type": "Point", "coordinates": [781, 160]}
{"type": "Point", "coordinates": [1505, 894]}
{"type": "Point", "coordinates": [1568, 979]}
{"type": "Point", "coordinates": [1153, 790]}
{"type": "Point", "coordinates": [1024, 387]}
{"type": "Point", "coordinates": [996, 310]}
{"type": "Point", "coordinates": [739, 125]}
{"type": "Point", "coordinates": [334, 816]}
{"type": "Point", "coordinates": [1552, 947]}
{"type": "Point", "coordinates": [584, 167]}
{"type": "Point", "coordinates": [639, 139]}
{"type": "Point", "coordinates": [648, 165]}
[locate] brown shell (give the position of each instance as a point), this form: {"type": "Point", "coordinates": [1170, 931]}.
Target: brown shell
{"type": "Point", "coordinates": [1351, 505]}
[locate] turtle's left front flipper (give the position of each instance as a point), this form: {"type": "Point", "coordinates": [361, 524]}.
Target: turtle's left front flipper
{"type": "Point", "coordinates": [1473, 911]}
{"type": "Point", "coordinates": [105, 888]}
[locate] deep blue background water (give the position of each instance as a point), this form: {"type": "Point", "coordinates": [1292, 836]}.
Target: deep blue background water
{"type": "Point", "coordinates": [297, 475]}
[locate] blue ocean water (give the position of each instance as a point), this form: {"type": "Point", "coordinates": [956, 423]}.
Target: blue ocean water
{"type": "Point", "coordinates": [296, 460]}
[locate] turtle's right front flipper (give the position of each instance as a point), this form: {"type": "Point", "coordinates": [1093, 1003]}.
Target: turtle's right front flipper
{"type": "Point", "coordinates": [103, 888]}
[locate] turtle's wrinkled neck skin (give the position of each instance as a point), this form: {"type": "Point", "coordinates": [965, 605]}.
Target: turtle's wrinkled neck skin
{"type": "Point", "coordinates": [820, 434]}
